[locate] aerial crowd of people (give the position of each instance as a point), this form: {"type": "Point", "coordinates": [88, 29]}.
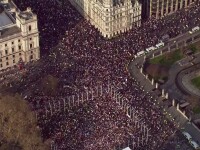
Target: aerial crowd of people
{"type": "Point", "coordinates": [75, 53]}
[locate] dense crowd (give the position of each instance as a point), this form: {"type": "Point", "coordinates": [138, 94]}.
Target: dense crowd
{"type": "Point", "coordinates": [103, 120]}
{"type": "Point", "coordinates": [80, 58]}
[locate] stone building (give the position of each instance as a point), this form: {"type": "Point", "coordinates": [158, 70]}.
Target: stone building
{"type": "Point", "coordinates": [19, 36]}
{"type": "Point", "coordinates": [110, 17]}
{"type": "Point", "coordinates": [161, 8]}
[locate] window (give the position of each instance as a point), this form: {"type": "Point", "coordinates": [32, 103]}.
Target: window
{"type": "Point", "coordinates": [19, 47]}
{"type": "Point", "coordinates": [13, 50]}
{"type": "Point", "coordinates": [19, 40]}
{"type": "Point", "coordinates": [5, 45]}
{"type": "Point", "coordinates": [20, 54]}
{"type": "Point", "coordinates": [7, 63]}
{"type": "Point", "coordinates": [13, 61]}
{"type": "Point", "coordinates": [1, 65]}
{"type": "Point", "coordinates": [31, 45]}
{"type": "Point", "coordinates": [13, 56]}
{"type": "Point", "coordinates": [12, 42]}
{"type": "Point", "coordinates": [30, 39]}
{"type": "Point", "coordinates": [29, 28]}
{"type": "Point", "coordinates": [6, 58]}
{"type": "Point", "coordinates": [31, 57]}
{"type": "Point", "coordinates": [0, 60]}
{"type": "Point", "coordinates": [31, 52]}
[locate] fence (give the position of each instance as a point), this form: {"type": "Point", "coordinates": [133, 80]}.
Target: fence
{"type": "Point", "coordinates": [62, 104]}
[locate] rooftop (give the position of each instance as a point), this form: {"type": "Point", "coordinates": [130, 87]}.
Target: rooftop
{"type": "Point", "coordinates": [8, 26]}
{"type": "Point", "coordinates": [5, 20]}
{"type": "Point", "coordinates": [26, 15]}
{"type": "Point", "coordinates": [9, 31]}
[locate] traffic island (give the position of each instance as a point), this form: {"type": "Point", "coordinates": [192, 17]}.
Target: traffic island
{"type": "Point", "coordinates": [196, 82]}
{"type": "Point", "coordinates": [158, 67]}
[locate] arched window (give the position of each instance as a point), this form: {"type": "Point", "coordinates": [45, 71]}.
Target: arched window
{"type": "Point", "coordinates": [29, 27]}
{"type": "Point", "coordinates": [31, 57]}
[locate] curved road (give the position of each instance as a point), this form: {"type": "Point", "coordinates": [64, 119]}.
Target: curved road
{"type": "Point", "coordinates": [179, 79]}
{"type": "Point", "coordinates": [173, 85]}
{"type": "Point", "coordinates": [170, 86]}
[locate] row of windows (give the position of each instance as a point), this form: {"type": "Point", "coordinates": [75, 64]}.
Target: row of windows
{"type": "Point", "coordinates": [14, 42]}
{"type": "Point", "coordinates": [114, 13]}
{"type": "Point", "coordinates": [119, 25]}
{"type": "Point", "coordinates": [136, 17]}
{"type": "Point", "coordinates": [165, 9]}
{"type": "Point", "coordinates": [29, 27]}
{"type": "Point", "coordinates": [7, 63]}
{"type": "Point", "coordinates": [12, 55]}
{"type": "Point", "coordinates": [169, 3]}
{"type": "Point", "coordinates": [13, 49]}
{"type": "Point", "coordinates": [112, 17]}
{"type": "Point", "coordinates": [19, 48]}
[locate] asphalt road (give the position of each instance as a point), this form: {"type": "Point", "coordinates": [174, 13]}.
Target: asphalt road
{"type": "Point", "coordinates": [175, 87]}
{"type": "Point", "coordinates": [170, 86]}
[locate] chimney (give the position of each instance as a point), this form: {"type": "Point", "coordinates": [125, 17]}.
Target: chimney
{"type": "Point", "coordinates": [28, 9]}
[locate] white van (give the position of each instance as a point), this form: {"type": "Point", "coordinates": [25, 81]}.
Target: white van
{"type": "Point", "coordinates": [152, 48]}
{"type": "Point", "coordinates": [140, 53]}
{"type": "Point", "coordinates": [187, 135]}
{"type": "Point", "coordinates": [161, 44]}
{"type": "Point", "coordinates": [194, 145]}
{"type": "Point", "coordinates": [127, 148]}
{"type": "Point", "coordinates": [194, 29]}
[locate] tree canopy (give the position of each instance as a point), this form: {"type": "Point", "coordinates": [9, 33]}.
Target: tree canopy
{"type": "Point", "coordinates": [18, 127]}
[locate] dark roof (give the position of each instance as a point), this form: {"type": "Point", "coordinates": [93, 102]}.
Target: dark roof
{"type": "Point", "coordinates": [101, 1]}
{"type": "Point", "coordinates": [1, 8]}
{"type": "Point", "coordinates": [114, 2]}
{"type": "Point", "coordinates": [26, 15]}
{"type": "Point", "coordinates": [118, 2]}
{"type": "Point", "coordinates": [9, 31]}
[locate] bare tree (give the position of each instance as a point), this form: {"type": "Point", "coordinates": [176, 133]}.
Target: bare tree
{"type": "Point", "coordinates": [18, 124]}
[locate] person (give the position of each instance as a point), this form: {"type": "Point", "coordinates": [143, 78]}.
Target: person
{"type": "Point", "coordinates": [81, 59]}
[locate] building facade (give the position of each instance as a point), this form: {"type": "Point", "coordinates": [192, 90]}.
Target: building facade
{"type": "Point", "coordinates": [19, 36]}
{"type": "Point", "coordinates": [161, 8]}
{"type": "Point", "coordinates": [110, 17]}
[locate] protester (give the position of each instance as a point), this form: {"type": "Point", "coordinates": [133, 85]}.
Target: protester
{"type": "Point", "coordinates": [83, 59]}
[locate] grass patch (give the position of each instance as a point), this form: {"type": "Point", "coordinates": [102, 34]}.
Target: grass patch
{"type": "Point", "coordinates": [196, 109]}
{"type": "Point", "coordinates": [196, 82]}
{"type": "Point", "coordinates": [168, 59]}
{"type": "Point", "coordinates": [194, 48]}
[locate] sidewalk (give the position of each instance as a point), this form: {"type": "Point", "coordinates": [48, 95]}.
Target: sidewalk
{"type": "Point", "coordinates": [193, 131]}
{"type": "Point", "coordinates": [135, 73]}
